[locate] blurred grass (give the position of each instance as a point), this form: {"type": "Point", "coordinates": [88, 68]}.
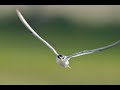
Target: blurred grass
{"type": "Point", "coordinates": [26, 60]}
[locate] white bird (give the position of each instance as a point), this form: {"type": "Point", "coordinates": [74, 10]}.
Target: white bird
{"type": "Point", "coordinates": [63, 60]}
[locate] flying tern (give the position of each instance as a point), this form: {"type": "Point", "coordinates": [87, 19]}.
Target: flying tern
{"type": "Point", "coordinates": [63, 60]}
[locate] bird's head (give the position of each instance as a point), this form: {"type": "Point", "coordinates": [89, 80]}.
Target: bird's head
{"type": "Point", "coordinates": [63, 61]}
{"type": "Point", "coordinates": [61, 57]}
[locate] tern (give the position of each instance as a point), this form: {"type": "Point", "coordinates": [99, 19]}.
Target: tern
{"type": "Point", "coordinates": [63, 60]}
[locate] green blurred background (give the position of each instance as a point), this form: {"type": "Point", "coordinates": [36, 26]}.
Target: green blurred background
{"type": "Point", "coordinates": [69, 29]}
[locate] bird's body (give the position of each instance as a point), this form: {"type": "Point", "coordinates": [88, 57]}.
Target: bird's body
{"type": "Point", "coordinates": [63, 60]}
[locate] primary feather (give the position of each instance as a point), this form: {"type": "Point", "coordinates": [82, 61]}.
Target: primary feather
{"type": "Point", "coordinates": [94, 50]}
{"type": "Point", "coordinates": [33, 32]}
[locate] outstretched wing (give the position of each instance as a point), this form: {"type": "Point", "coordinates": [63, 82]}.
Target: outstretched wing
{"type": "Point", "coordinates": [33, 32]}
{"type": "Point", "coordinates": [94, 50]}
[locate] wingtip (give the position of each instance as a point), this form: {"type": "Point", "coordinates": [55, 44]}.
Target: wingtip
{"type": "Point", "coordinates": [17, 10]}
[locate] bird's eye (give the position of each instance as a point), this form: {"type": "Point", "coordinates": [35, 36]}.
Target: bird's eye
{"type": "Point", "coordinates": [58, 56]}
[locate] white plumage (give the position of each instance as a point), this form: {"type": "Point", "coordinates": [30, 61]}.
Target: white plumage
{"type": "Point", "coordinates": [61, 59]}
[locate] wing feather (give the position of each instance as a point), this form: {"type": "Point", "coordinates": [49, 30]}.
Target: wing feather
{"type": "Point", "coordinates": [94, 50]}
{"type": "Point", "coordinates": [33, 32]}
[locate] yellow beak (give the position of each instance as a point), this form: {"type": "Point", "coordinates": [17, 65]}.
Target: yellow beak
{"type": "Point", "coordinates": [61, 60]}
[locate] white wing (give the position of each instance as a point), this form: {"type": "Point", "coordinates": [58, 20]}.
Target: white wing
{"type": "Point", "coordinates": [94, 50]}
{"type": "Point", "coordinates": [33, 32]}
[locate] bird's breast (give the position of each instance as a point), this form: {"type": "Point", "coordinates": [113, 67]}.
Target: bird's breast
{"type": "Point", "coordinates": [62, 63]}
